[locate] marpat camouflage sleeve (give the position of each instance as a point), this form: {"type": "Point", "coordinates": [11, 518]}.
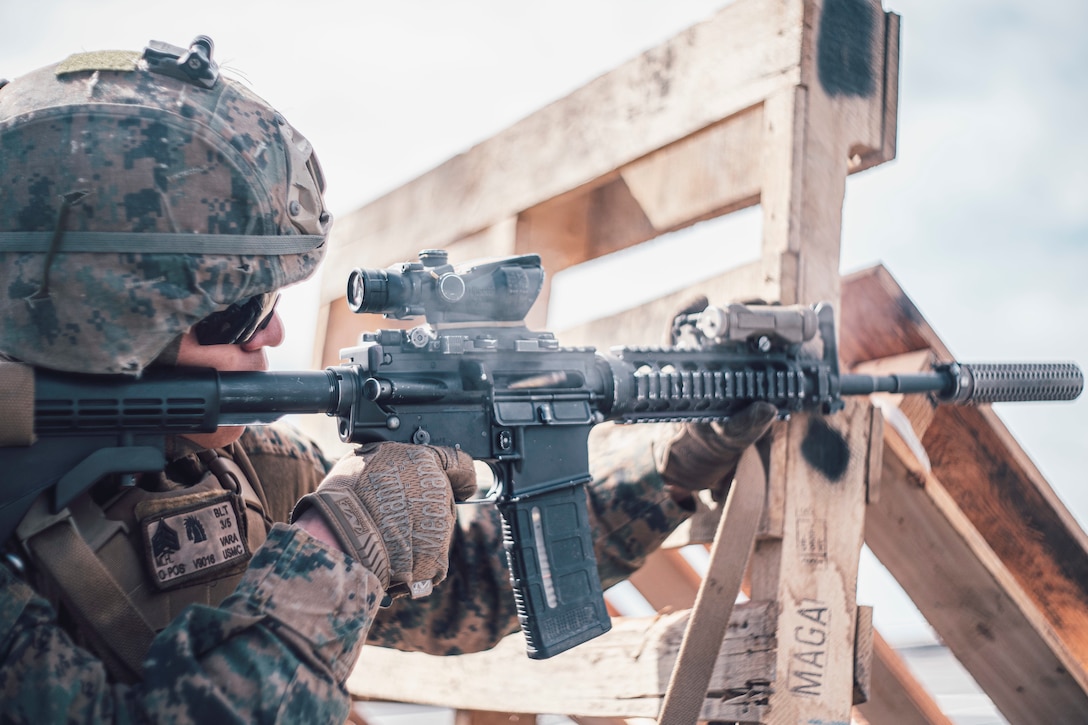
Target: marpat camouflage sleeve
{"type": "Point", "coordinates": [630, 513]}
{"type": "Point", "coordinates": [629, 509]}
{"type": "Point", "coordinates": [277, 650]}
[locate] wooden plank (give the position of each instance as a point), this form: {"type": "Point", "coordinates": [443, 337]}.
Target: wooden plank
{"type": "Point", "coordinates": [886, 692]}
{"type": "Point", "coordinates": [1008, 501]}
{"type": "Point", "coordinates": [557, 231]}
{"type": "Point", "coordinates": [987, 477]}
{"type": "Point", "coordinates": [645, 324]}
{"type": "Point", "coordinates": [667, 581]}
{"type": "Point", "coordinates": [867, 158]}
{"type": "Point", "coordinates": [704, 175]}
{"type": "Point", "coordinates": [623, 673]}
{"type": "Point", "coordinates": [839, 112]}
{"type": "Point", "coordinates": [477, 717]}
{"type": "Point", "coordinates": [812, 569]}
{"type": "Point", "coordinates": [969, 597]}
{"type": "Point", "coordinates": [811, 131]}
{"type": "Point", "coordinates": [721, 586]}
{"type": "Point", "coordinates": [864, 635]}
{"type": "Point", "coordinates": [878, 320]}
{"type": "Point", "coordinates": [984, 471]}
{"type": "Point", "coordinates": [897, 698]}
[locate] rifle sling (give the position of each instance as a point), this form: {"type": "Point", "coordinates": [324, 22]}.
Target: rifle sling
{"type": "Point", "coordinates": [93, 593]}
{"type": "Point", "coordinates": [16, 404]}
{"type": "Point", "coordinates": [709, 618]}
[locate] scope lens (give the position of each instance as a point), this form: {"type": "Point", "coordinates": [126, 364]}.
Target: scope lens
{"type": "Point", "coordinates": [368, 290]}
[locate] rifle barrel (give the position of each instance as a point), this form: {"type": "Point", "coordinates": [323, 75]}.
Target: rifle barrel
{"type": "Point", "coordinates": [971, 384]}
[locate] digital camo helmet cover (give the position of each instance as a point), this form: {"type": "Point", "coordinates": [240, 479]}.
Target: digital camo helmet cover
{"type": "Point", "coordinates": [139, 194]}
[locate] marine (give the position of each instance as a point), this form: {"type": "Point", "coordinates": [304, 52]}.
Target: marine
{"type": "Point", "coordinates": [153, 209]}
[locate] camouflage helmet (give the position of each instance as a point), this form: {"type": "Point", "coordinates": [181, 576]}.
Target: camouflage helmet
{"type": "Point", "coordinates": [140, 193]}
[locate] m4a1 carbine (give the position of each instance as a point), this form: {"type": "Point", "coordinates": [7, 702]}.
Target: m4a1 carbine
{"type": "Point", "coordinates": [476, 378]}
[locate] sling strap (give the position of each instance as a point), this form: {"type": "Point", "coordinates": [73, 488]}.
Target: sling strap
{"type": "Point", "coordinates": [718, 592]}
{"type": "Point", "coordinates": [90, 590]}
{"type": "Point", "coordinates": [16, 404]}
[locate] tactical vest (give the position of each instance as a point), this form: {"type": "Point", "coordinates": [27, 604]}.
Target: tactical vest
{"type": "Point", "coordinates": [120, 566]}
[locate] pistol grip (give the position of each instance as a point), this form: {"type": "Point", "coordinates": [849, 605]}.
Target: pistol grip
{"type": "Point", "coordinates": [557, 589]}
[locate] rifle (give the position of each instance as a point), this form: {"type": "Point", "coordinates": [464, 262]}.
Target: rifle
{"type": "Point", "coordinates": [477, 378]}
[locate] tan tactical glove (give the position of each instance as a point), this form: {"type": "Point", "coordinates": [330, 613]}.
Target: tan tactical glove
{"type": "Point", "coordinates": [390, 506]}
{"type": "Point", "coordinates": [705, 455]}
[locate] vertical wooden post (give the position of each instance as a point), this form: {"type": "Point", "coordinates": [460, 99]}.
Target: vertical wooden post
{"type": "Point", "coordinates": [809, 561]}
{"type": "Point", "coordinates": [811, 568]}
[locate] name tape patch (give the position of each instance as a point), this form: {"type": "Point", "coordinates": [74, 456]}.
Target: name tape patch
{"type": "Point", "coordinates": [195, 542]}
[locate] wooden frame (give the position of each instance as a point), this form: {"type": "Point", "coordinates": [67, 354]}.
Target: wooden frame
{"type": "Point", "coordinates": [769, 102]}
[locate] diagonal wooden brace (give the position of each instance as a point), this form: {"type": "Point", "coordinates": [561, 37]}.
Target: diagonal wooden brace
{"type": "Point", "coordinates": [729, 557]}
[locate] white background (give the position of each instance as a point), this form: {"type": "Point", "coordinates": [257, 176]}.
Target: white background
{"type": "Point", "coordinates": [982, 218]}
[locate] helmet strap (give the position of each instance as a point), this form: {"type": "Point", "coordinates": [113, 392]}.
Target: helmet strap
{"type": "Point", "coordinates": [67, 201]}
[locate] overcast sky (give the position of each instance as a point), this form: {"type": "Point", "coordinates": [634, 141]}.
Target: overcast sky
{"type": "Point", "coordinates": [982, 218]}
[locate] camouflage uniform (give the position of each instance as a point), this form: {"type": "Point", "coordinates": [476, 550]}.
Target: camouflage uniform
{"type": "Point", "coordinates": [281, 646]}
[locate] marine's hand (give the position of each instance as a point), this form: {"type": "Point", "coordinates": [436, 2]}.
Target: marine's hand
{"type": "Point", "coordinates": [390, 506]}
{"type": "Point", "coordinates": [705, 455]}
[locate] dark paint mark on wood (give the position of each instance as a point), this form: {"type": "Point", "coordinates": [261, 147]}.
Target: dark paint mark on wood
{"type": "Point", "coordinates": [825, 449]}
{"type": "Point", "coordinates": [844, 48]}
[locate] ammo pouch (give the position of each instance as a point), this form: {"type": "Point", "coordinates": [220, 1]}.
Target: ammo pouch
{"type": "Point", "coordinates": [127, 567]}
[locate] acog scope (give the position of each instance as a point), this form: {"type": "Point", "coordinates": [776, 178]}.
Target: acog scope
{"type": "Point", "coordinates": [493, 290]}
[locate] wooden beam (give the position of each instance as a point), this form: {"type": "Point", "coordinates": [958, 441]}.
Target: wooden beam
{"type": "Point", "coordinates": [982, 469]}
{"type": "Point", "coordinates": [477, 717]}
{"type": "Point", "coordinates": [1006, 499]}
{"type": "Point", "coordinates": [969, 597]}
{"type": "Point", "coordinates": [897, 698]}
{"type": "Point", "coordinates": [1017, 550]}
{"type": "Point", "coordinates": [667, 581]}
{"type": "Point", "coordinates": [709, 173]}
{"type": "Point", "coordinates": [878, 320]}
{"type": "Point", "coordinates": [811, 570]}
{"type": "Point", "coordinates": [812, 132]}
{"type": "Point", "coordinates": [808, 561]}
{"type": "Point", "coordinates": [864, 635]}
{"type": "Point", "coordinates": [645, 324]}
